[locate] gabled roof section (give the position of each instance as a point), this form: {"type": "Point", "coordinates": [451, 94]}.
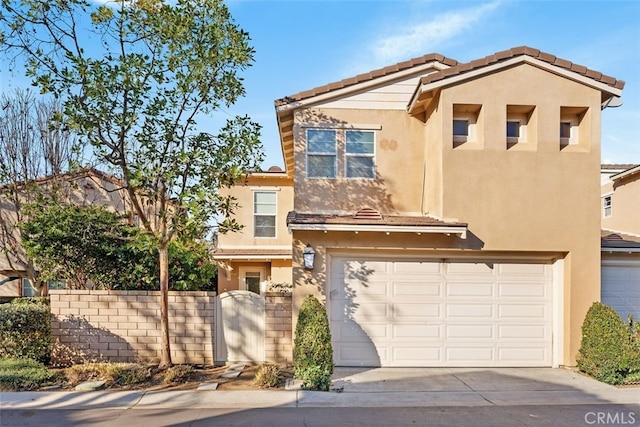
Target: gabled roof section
{"type": "Point", "coordinates": [368, 77]}
{"type": "Point", "coordinates": [609, 86]}
{"type": "Point", "coordinates": [614, 241]}
{"type": "Point", "coordinates": [284, 107]}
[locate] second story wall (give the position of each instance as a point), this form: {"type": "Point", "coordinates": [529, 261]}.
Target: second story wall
{"type": "Point", "coordinates": [620, 204]}
{"type": "Point", "coordinates": [263, 204]}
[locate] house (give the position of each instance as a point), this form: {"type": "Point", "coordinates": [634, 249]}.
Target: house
{"type": "Point", "coordinates": [84, 187]}
{"type": "Point", "coordinates": [261, 251]}
{"type": "Point", "coordinates": [620, 210]}
{"type": "Point", "coordinates": [447, 213]}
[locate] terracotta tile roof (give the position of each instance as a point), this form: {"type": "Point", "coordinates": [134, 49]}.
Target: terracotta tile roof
{"type": "Point", "coordinates": [519, 51]}
{"type": "Point", "coordinates": [621, 166]}
{"type": "Point", "coordinates": [380, 72]}
{"type": "Point", "coordinates": [614, 239]}
{"type": "Point", "coordinates": [387, 220]}
{"type": "Point", "coordinates": [252, 252]}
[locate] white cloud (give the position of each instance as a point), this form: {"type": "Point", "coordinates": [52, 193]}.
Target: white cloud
{"type": "Point", "coordinates": [421, 37]}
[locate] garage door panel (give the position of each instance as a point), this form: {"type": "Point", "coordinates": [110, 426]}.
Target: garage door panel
{"type": "Point", "coordinates": [469, 332]}
{"type": "Point", "coordinates": [621, 286]}
{"type": "Point", "coordinates": [469, 289]}
{"type": "Point", "coordinates": [413, 289]}
{"type": "Point", "coordinates": [469, 310]}
{"type": "Point", "coordinates": [531, 290]}
{"type": "Point", "coordinates": [416, 331]}
{"type": "Point", "coordinates": [416, 310]}
{"type": "Point", "coordinates": [435, 313]}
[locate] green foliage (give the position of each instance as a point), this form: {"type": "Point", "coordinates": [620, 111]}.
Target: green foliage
{"type": "Point", "coordinates": [313, 352]}
{"type": "Point", "coordinates": [25, 330]}
{"type": "Point", "coordinates": [24, 374]}
{"type": "Point", "coordinates": [268, 375]}
{"type": "Point", "coordinates": [608, 352]}
{"type": "Point", "coordinates": [81, 244]}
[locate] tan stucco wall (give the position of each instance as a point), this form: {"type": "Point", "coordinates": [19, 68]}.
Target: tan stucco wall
{"type": "Point", "coordinates": [625, 205]}
{"type": "Point", "coordinates": [244, 213]}
{"type": "Point", "coordinates": [532, 200]}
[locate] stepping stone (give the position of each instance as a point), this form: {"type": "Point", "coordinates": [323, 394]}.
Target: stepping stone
{"type": "Point", "coordinates": [231, 374]}
{"type": "Point", "coordinates": [90, 386]}
{"type": "Point", "coordinates": [207, 387]}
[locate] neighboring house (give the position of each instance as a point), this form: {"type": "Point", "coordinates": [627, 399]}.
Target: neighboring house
{"type": "Point", "coordinates": [620, 210]}
{"type": "Point", "coordinates": [260, 253]}
{"type": "Point", "coordinates": [448, 212]}
{"type": "Point", "coordinates": [85, 187]}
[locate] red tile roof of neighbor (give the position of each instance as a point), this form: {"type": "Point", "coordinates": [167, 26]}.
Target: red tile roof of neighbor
{"type": "Point", "coordinates": [614, 239]}
{"type": "Point", "coordinates": [456, 68]}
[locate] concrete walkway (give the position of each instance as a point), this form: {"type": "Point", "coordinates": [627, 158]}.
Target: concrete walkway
{"type": "Point", "coordinates": [355, 387]}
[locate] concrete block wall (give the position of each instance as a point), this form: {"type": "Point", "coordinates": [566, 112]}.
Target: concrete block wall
{"type": "Point", "coordinates": [124, 326]}
{"type": "Point", "coordinates": [278, 340]}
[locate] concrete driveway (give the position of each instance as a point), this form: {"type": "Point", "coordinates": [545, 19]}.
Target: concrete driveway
{"type": "Point", "coordinates": [468, 387]}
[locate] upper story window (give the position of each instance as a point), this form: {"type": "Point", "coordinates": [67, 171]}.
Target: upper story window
{"type": "Point", "coordinates": [571, 120]}
{"type": "Point", "coordinates": [360, 154]}
{"type": "Point", "coordinates": [606, 206]}
{"type": "Point", "coordinates": [518, 117]}
{"type": "Point", "coordinates": [465, 123]}
{"type": "Point", "coordinates": [265, 209]}
{"type": "Point", "coordinates": [321, 153]}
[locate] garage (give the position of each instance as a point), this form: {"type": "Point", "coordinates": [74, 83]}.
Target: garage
{"type": "Point", "coordinates": [621, 285]}
{"type": "Point", "coordinates": [434, 313]}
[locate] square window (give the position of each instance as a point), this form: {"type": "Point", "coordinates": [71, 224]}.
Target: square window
{"type": "Point", "coordinates": [565, 130]}
{"type": "Point", "coordinates": [513, 129]}
{"type": "Point", "coordinates": [460, 128]}
{"type": "Point", "coordinates": [321, 153]}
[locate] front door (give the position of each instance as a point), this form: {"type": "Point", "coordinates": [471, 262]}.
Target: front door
{"type": "Point", "coordinates": [251, 278]}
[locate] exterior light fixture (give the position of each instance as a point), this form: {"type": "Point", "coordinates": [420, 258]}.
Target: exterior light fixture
{"type": "Point", "coordinates": [308, 257]}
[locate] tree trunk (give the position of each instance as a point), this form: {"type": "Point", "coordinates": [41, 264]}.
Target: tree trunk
{"type": "Point", "coordinates": [165, 358]}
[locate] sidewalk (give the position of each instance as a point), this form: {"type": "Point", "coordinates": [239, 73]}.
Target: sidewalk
{"type": "Point", "coordinates": [395, 387]}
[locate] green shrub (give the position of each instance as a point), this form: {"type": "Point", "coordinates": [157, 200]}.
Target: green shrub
{"type": "Point", "coordinates": [24, 374]}
{"type": "Point", "coordinates": [268, 375]}
{"type": "Point", "coordinates": [25, 329]}
{"type": "Point", "coordinates": [313, 353]}
{"type": "Point", "coordinates": [609, 351]}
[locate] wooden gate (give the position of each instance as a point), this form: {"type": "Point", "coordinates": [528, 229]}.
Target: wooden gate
{"type": "Point", "coordinates": [239, 328]}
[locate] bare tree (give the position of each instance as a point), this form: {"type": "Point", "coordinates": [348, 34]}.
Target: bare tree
{"type": "Point", "coordinates": [33, 144]}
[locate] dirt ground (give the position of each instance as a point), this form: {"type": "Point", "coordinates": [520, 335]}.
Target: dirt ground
{"type": "Point", "coordinates": [207, 375]}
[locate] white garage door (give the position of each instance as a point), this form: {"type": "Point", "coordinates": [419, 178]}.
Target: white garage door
{"type": "Point", "coordinates": [437, 313]}
{"type": "Point", "coordinates": [621, 287]}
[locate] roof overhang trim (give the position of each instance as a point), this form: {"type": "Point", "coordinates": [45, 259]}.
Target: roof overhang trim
{"type": "Point", "coordinates": [444, 229]}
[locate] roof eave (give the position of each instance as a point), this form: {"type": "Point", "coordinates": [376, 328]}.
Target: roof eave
{"type": "Point", "coordinates": [388, 229]}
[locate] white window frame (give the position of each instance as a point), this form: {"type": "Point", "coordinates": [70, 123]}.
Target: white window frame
{"type": "Point", "coordinates": [607, 208]}
{"type": "Point", "coordinates": [256, 214]}
{"type": "Point", "coordinates": [471, 120]}
{"type": "Point", "coordinates": [521, 119]}
{"type": "Point", "coordinates": [573, 132]}
{"type": "Point", "coordinates": [348, 155]}
{"type": "Point", "coordinates": [244, 272]}
{"type": "Point", "coordinates": [322, 153]}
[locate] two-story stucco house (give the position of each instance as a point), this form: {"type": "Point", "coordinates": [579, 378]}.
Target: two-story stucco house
{"type": "Point", "coordinates": [620, 198]}
{"type": "Point", "coordinates": [447, 213]}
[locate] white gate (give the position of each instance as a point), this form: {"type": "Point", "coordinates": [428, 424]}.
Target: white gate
{"type": "Point", "coordinates": [239, 329]}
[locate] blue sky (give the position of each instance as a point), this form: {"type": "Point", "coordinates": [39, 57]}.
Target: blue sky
{"type": "Point", "coordinates": [303, 44]}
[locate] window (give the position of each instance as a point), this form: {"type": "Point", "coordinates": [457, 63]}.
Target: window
{"type": "Point", "coordinates": [321, 153]}
{"type": "Point", "coordinates": [606, 206]}
{"type": "Point", "coordinates": [571, 120]}
{"type": "Point", "coordinates": [360, 152]}
{"type": "Point", "coordinates": [518, 130]}
{"type": "Point", "coordinates": [567, 133]}
{"type": "Point", "coordinates": [513, 130]}
{"type": "Point", "coordinates": [265, 209]}
{"type": "Point", "coordinates": [27, 289]}
{"type": "Point", "coordinates": [465, 123]}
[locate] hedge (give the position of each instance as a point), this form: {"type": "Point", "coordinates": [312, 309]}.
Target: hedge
{"type": "Point", "coordinates": [25, 329]}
